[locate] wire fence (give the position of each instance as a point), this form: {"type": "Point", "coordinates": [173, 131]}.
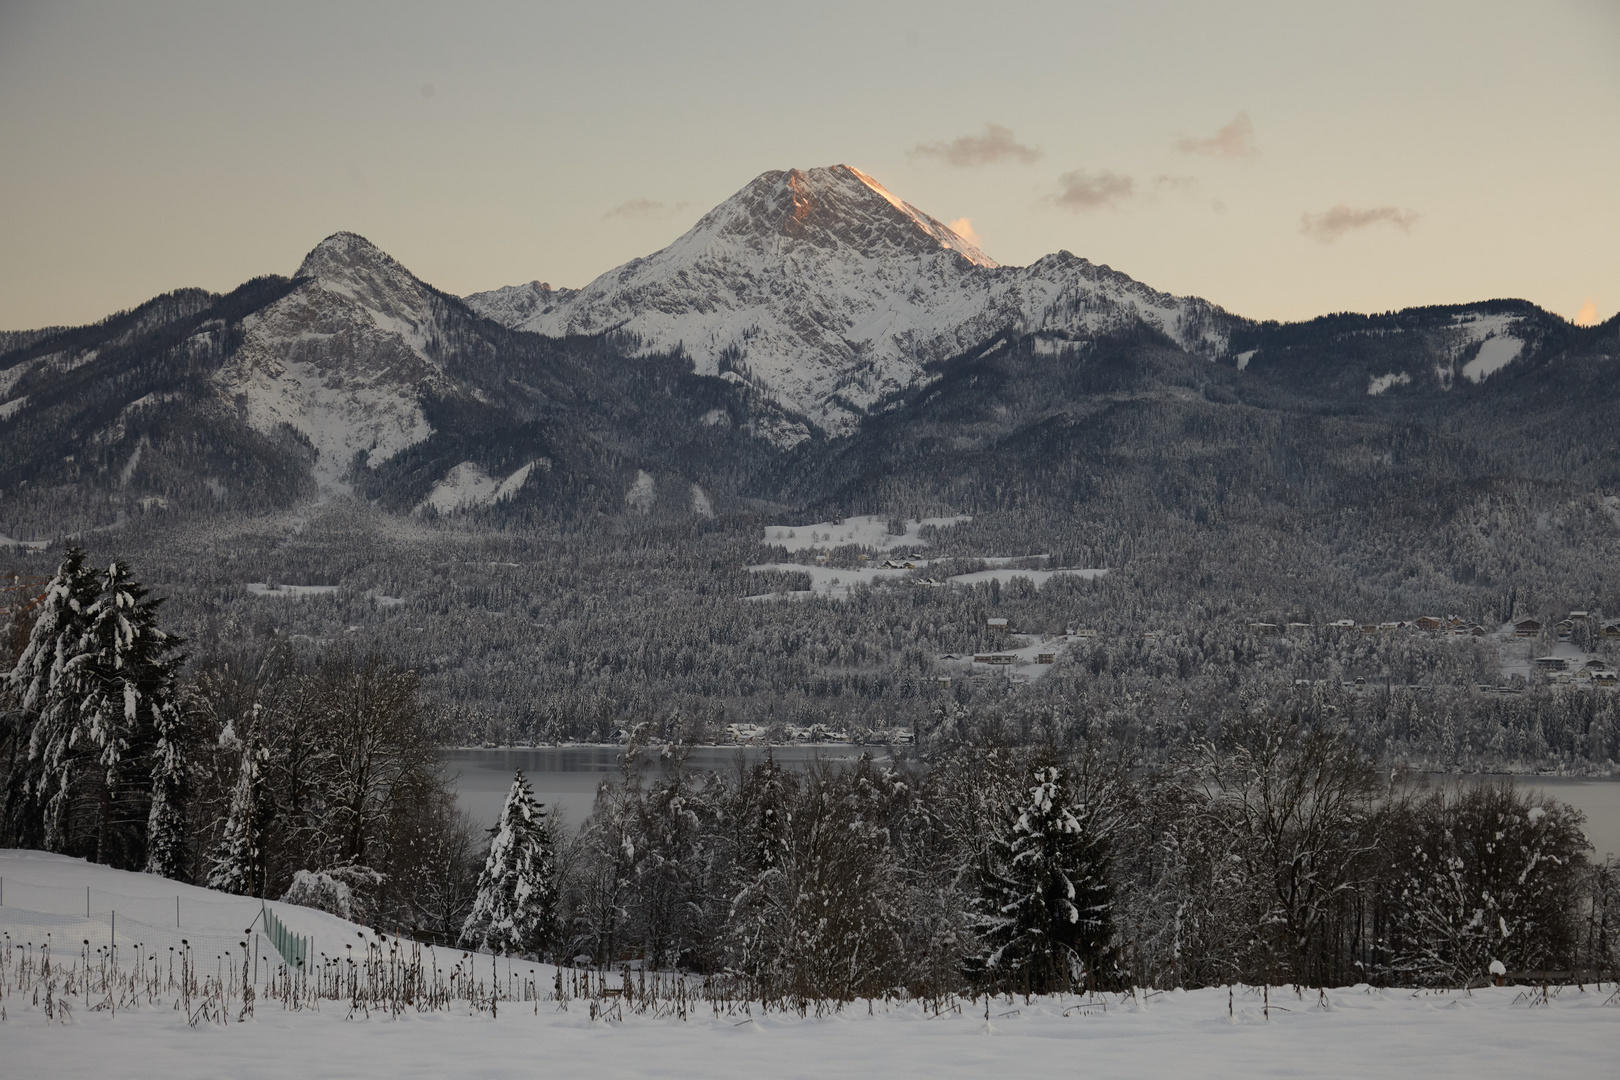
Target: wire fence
{"type": "Point", "coordinates": [153, 928]}
{"type": "Point", "coordinates": [295, 949]}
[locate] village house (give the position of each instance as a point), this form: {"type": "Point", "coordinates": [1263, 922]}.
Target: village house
{"type": "Point", "coordinates": [1527, 628]}
{"type": "Point", "coordinates": [1552, 663]}
{"type": "Point", "coordinates": [1611, 630]}
{"type": "Point", "coordinates": [1565, 629]}
{"type": "Point", "coordinates": [1428, 623]}
{"type": "Point", "coordinates": [1046, 658]}
{"type": "Point", "coordinates": [996, 624]}
{"type": "Point", "coordinates": [1264, 629]}
{"type": "Point", "coordinates": [994, 658]}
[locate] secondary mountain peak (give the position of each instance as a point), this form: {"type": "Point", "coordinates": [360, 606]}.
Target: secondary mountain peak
{"type": "Point", "coordinates": [344, 359]}
{"type": "Point", "coordinates": [342, 252]}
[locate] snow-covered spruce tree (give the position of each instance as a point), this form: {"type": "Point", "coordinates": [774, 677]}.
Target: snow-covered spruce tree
{"type": "Point", "coordinates": [130, 715]}
{"type": "Point", "coordinates": [1044, 913]}
{"type": "Point", "coordinates": [517, 893]}
{"type": "Point", "coordinates": [237, 864]}
{"type": "Point", "coordinates": [49, 682]}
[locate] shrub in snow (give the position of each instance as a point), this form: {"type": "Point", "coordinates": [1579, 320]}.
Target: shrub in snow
{"type": "Point", "coordinates": [1044, 909]}
{"type": "Point", "coordinates": [515, 911]}
{"type": "Point", "coordinates": [344, 891]}
{"type": "Point", "coordinates": [1482, 880]}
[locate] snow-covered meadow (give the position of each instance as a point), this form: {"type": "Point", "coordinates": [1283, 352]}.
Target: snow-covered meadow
{"type": "Point", "coordinates": [1241, 1032]}
{"type": "Point", "coordinates": [872, 532]}
{"type": "Point", "coordinates": [867, 530]}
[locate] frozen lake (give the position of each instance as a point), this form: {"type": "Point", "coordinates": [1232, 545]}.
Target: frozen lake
{"type": "Point", "coordinates": [565, 777]}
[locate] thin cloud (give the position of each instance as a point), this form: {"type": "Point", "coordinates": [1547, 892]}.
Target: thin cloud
{"type": "Point", "coordinates": [1329, 225]}
{"type": "Point", "coordinates": [1082, 190]}
{"type": "Point", "coordinates": [644, 208]}
{"type": "Point", "coordinates": [1587, 316]}
{"type": "Point", "coordinates": [1235, 140]}
{"type": "Point", "coordinates": [996, 144]}
{"type": "Point", "coordinates": [963, 227]}
{"type": "Point", "coordinates": [1165, 184]}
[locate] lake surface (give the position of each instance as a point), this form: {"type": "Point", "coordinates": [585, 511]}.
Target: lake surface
{"type": "Point", "coordinates": [565, 778]}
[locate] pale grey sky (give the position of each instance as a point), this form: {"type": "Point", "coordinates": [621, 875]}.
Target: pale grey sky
{"type": "Point", "coordinates": [1283, 159]}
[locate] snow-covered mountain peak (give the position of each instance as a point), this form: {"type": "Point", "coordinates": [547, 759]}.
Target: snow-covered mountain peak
{"type": "Point", "coordinates": [341, 253]}
{"type": "Point", "coordinates": [827, 207]}
{"type": "Point", "coordinates": [351, 266]}
{"type": "Point", "coordinates": [828, 294]}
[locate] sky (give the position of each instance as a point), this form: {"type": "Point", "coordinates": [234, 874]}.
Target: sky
{"type": "Point", "coordinates": [1281, 159]}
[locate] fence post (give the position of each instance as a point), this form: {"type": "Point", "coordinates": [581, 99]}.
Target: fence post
{"type": "Point", "coordinates": [87, 901]}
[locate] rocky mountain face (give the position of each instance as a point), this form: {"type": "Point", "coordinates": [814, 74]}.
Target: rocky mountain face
{"type": "Point", "coordinates": [345, 359]}
{"type": "Point", "coordinates": [830, 295]}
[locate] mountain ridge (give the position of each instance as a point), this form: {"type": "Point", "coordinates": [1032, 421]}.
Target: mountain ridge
{"type": "Point", "coordinates": [356, 375]}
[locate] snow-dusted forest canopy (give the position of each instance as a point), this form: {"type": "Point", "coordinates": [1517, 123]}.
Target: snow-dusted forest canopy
{"type": "Point", "coordinates": [1272, 847]}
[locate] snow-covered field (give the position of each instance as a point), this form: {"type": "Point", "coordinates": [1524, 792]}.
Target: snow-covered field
{"type": "Point", "coordinates": [836, 582]}
{"type": "Point", "coordinates": [1354, 1032]}
{"type": "Point", "coordinates": [34, 545]}
{"type": "Point", "coordinates": [262, 588]}
{"type": "Point", "coordinates": [468, 485]}
{"type": "Point", "coordinates": [1179, 1035]}
{"type": "Point", "coordinates": [867, 530]}
{"type": "Point", "coordinates": [1005, 575]}
{"type": "Point", "coordinates": [833, 581]}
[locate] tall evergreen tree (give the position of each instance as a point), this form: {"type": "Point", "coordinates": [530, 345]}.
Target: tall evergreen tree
{"type": "Point", "coordinates": [517, 894]}
{"type": "Point", "coordinates": [166, 832]}
{"type": "Point", "coordinates": [1044, 907]}
{"type": "Point", "coordinates": [129, 713]}
{"type": "Point", "coordinates": [50, 680]}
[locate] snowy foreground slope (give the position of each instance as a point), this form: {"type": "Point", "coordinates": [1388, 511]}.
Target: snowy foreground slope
{"type": "Point", "coordinates": [1181, 1035]}
{"type": "Point", "coordinates": [1354, 1032]}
